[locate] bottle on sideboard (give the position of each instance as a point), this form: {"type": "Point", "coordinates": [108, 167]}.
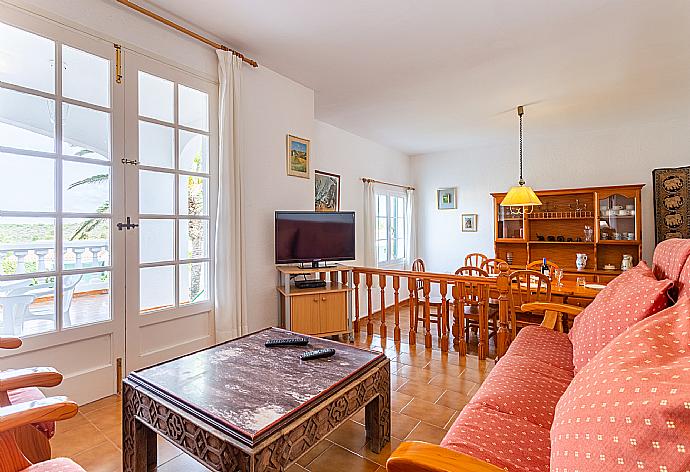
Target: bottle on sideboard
{"type": "Point", "coordinates": [545, 268]}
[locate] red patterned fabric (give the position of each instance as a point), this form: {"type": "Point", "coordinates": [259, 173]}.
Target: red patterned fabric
{"type": "Point", "coordinates": [549, 346]}
{"type": "Point", "coordinates": [524, 387]}
{"type": "Point", "coordinates": [629, 409]}
{"type": "Point", "coordinates": [503, 440]}
{"type": "Point", "coordinates": [31, 394]}
{"type": "Point", "coordinates": [627, 299]}
{"type": "Point", "coordinates": [684, 281]}
{"type": "Point", "coordinates": [670, 257]}
{"type": "Point", "coordinates": [55, 465]}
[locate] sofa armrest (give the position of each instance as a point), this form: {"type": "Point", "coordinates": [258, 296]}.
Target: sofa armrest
{"type": "Point", "coordinates": [9, 342]}
{"type": "Point", "coordinates": [48, 409]}
{"type": "Point", "coordinates": [415, 456]}
{"type": "Point", "coordinates": [29, 377]}
{"type": "Point", "coordinates": [553, 313]}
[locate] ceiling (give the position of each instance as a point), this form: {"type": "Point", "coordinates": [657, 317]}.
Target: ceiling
{"type": "Point", "coordinates": [444, 74]}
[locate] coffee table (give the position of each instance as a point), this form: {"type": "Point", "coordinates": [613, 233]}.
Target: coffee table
{"type": "Point", "coordinates": [240, 406]}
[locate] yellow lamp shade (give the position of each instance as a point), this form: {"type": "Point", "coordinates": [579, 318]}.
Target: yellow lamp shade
{"type": "Point", "coordinates": [520, 196]}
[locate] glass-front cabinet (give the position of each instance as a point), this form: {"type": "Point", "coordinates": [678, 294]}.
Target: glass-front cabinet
{"type": "Point", "coordinates": [618, 216]}
{"type": "Point", "coordinates": [510, 223]}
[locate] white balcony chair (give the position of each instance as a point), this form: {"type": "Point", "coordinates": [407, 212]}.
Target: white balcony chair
{"type": "Point", "coordinates": [14, 309]}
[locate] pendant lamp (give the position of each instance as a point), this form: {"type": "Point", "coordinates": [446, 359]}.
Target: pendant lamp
{"type": "Point", "coordinates": [521, 196]}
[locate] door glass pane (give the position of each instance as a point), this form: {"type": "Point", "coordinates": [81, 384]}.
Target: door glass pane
{"type": "Point", "coordinates": [156, 240]}
{"type": "Point", "coordinates": [193, 152]}
{"type": "Point", "coordinates": [193, 282]}
{"type": "Point", "coordinates": [193, 108]}
{"type": "Point", "coordinates": [86, 132]}
{"type": "Point", "coordinates": [26, 59]}
{"type": "Point", "coordinates": [85, 242]}
{"type": "Point", "coordinates": [381, 251]}
{"type": "Point", "coordinates": [85, 298]}
{"type": "Point", "coordinates": [26, 245]}
{"type": "Point", "coordinates": [193, 239]}
{"type": "Point", "coordinates": [156, 97]}
{"type": "Point", "coordinates": [381, 228]}
{"type": "Point", "coordinates": [156, 193]}
{"type": "Point", "coordinates": [156, 145]}
{"type": "Point", "coordinates": [85, 187]}
{"type": "Point", "coordinates": [31, 187]}
{"type": "Point", "coordinates": [27, 306]}
{"type": "Point", "coordinates": [26, 121]}
{"type": "Point", "coordinates": [156, 288]}
{"type": "Point", "coordinates": [85, 77]}
{"type": "Point", "coordinates": [193, 195]}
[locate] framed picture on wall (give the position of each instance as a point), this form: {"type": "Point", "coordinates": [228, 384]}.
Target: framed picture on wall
{"type": "Point", "coordinates": [446, 198]}
{"type": "Point", "coordinates": [297, 156]}
{"type": "Point", "coordinates": [326, 191]}
{"type": "Point", "coordinates": [469, 223]}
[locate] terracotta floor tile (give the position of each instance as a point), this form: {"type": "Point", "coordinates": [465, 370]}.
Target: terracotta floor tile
{"type": "Point", "coordinates": [399, 400]}
{"type": "Point", "coordinates": [454, 400]}
{"type": "Point", "coordinates": [475, 375]}
{"type": "Point", "coordinates": [76, 440]}
{"type": "Point", "coordinates": [166, 451]}
{"type": "Point", "coordinates": [402, 425]}
{"type": "Point", "coordinates": [338, 459]}
{"type": "Point", "coordinates": [295, 468]}
{"type": "Point", "coordinates": [397, 381]}
{"type": "Point", "coordinates": [457, 384]}
{"type": "Point", "coordinates": [451, 420]}
{"type": "Point", "coordinates": [438, 366]}
{"type": "Point", "coordinates": [426, 432]}
{"type": "Point", "coordinates": [417, 374]}
{"type": "Point", "coordinates": [106, 417]}
{"type": "Point", "coordinates": [315, 452]}
{"type": "Point", "coordinates": [413, 360]}
{"type": "Point", "coordinates": [359, 416]}
{"type": "Point", "coordinates": [103, 458]}
{"type": "Point", "coordinates": [349, 435]}
{"type": "Point", "coordinates": [98, 404]}
{"type": "Point", "coordinates": [78, 420]}
{"type": "Point", "coordinates": [431, 413]}
{"type": "Point", "coordinates": [182, 463]}
{"type": "Point", "coordinates": [382, 456]}
{"type": "Point", "coordinates": [424, 391]}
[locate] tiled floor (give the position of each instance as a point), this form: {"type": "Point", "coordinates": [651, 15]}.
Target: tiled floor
{"type": "Point", "coordinates": [429, 389]}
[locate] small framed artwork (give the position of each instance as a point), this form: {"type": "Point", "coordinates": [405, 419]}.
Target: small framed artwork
{"type": "Point", "coordinates": [326, 191]}
{"type": "Point", "coordinates": [469, 223]}
{"type": "Point", "coordinates": [446, 198]}
{"type": "Point", "coordinates": [297, 156]}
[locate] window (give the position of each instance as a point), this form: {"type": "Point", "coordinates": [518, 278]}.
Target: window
{"type": "Point", "coordinates": [390, 227]}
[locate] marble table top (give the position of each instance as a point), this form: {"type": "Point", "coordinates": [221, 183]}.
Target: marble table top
{"type": "Point", "coordinates": [250, 388]}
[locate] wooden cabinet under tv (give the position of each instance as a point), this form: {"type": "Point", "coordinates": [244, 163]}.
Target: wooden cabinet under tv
{"type": "Point", "coordinates": [323, 311]}
{"type": "Point", "coordinates": [552, 230]}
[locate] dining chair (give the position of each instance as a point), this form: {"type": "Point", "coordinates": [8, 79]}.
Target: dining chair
{"type": "Point", "coordinates": [434, 302]}
{"type": "Point", "coordinates": [48, 290]}
{"type": "Point", "coordinates": [476, 303]}
{"type": "Point", "coordinates": [475, 259]}
{"type": "Point", "coordinates": [491, 266]}
{"type": "Point", "coordinates": [536, 265]}
{"type": "Point", "coordinates": [526, 286]}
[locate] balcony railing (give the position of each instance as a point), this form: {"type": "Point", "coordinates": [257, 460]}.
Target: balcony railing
{"type": "Point", "coordinates": [40, 256]}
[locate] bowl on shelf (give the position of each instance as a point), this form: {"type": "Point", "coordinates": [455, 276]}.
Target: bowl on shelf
{"type": "Point", "coordinates": [609, 267]}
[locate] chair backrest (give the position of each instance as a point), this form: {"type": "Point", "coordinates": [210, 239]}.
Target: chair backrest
{"type": "Point", "coordinates": [528, 286]}
{"type": "Point", "coordinates": [471, 271]}
{"type": "Point", "coordinates": [418, 266]}
{"type": "Point", "coordinates": [491, 266]}
{"type": "Point", "coordinates": [475, 259]}
{"type": "Point", "coordinates": [69, 285]}
{"type": "Point", "coordinates": [536, 265]}
{"type": "Point", "coordinates": [13, 309]}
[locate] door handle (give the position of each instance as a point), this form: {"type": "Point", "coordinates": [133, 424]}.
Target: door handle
{"type": "Point", "coordinates": [127, 225]}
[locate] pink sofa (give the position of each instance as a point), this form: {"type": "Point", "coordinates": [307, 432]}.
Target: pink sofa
{"type": "Point", "coordinates": [509, 423]}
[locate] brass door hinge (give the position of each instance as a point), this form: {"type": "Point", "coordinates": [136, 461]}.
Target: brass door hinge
{"type": "Point", "coordinates": [118, 63]}
{"type": "Point", "coordinates": [118, 374]}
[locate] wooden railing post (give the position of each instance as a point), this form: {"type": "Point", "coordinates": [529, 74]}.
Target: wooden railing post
{"type": "Point", "coordinates": [414, 304]}
{"type": "Point", "coordinates": [459, 320]}
{"type": "Point", "coordinates": [396, 308]}
{"type": "Point", "coordinates": [427, 313]}
{"type": "Point", "coordinates": [355, 283]}
{"type": "Point", "coordinates": [483, 328]}
{"type": "Point", "coordinates": [370, 309]}
{"type": "Point", "coordinates": [382, 285]}
{"type": "Point", "coordinates": [443, 318]}
{"type": "Point", "coordinates": [502, 285]}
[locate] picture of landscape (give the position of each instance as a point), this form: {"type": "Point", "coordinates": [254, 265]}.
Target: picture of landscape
{"type": "Point", "coordinates": [297, 156]}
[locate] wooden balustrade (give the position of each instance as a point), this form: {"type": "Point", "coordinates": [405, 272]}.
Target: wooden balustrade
{"type": "Point", "coordinates": [427, 291]}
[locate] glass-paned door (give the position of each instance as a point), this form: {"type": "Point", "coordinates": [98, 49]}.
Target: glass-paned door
{"type": "Point", "coordinates": [171, 142]}
{"type": "Point", "coordinates": [61, 277]}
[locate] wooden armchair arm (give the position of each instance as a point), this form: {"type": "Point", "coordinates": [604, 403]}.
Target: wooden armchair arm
{"type": "Point", "coordinates": [29, 377]}
{"type": "Point", "coordinates": [9, 343]}
{"type": "Point", "coordinates": [553, 313]}
{"type": "Point", "coordinates": [415, 456]}
{"type": "Point", "coordinates": [40, 411]}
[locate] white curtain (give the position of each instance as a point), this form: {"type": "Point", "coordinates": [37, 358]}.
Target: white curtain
{"type": "Point", "coordinates": [410, 230]}
{"type": "Point", "coordinates": [369, 225]}
{"type": "Point", "coordinates": [230, 262]}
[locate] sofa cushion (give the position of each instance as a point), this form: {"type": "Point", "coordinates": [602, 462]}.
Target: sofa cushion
{"type": "Point", "coordinates": [31, 394]}
{"type": "Point", "coordinates": [627, 299]}
{"type": "Point", "coordinates": [684, 281]}
{"type": "Point", "coordinates": [55, 465]}
{"type": "Point", "coordinates": [549, 346]}
{"type": "Point", "coordinates": [628, 408]}
{"type": "Point", "coordinates": [670, 257]}
{"type": "Point", "coordinates": [501, 439]}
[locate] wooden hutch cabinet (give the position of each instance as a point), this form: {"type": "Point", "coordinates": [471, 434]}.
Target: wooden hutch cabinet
{"type": "Point", "coordinates": [558, 231]}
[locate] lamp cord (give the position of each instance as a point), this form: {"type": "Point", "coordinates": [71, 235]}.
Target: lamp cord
{"type": "Point", "coordinates": [522, 181]}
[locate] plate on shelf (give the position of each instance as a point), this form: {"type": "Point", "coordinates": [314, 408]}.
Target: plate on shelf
{"type": "Point", "coordinates": [595, 286]}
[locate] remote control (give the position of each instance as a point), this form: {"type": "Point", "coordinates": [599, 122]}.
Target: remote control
{"type": "Point", "coordinates": [287, 342]}
{"type": "Point", "coordinates": [317, 354]}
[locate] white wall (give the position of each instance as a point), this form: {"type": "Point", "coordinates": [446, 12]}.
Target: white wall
{"type": "Point", "coordinates": [626, 155]}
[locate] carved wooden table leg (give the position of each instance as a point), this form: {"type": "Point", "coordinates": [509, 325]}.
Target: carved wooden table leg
{"type": "Point", "coordinates": [377, 414]}
{"type": "Point", "coordinates": [139, 439]}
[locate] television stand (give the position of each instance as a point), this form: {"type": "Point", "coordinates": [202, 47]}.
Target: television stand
{"type": "Point", "coordinates": [316, 311]}
{"type": "Point", "coordinates": [317, 265]}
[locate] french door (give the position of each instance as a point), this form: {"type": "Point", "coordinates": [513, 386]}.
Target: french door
{"type": "Point", "coordinates": [107, 184]}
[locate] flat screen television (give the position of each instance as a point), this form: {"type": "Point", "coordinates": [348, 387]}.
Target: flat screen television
{"type": "Point", "coordinates": [313, 237]}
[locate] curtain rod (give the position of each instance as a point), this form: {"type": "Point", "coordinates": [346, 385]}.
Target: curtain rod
{"type": "Point", "coordinates": [406, 187]}
{"type": "Point", "coordinates": [186, 31]}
